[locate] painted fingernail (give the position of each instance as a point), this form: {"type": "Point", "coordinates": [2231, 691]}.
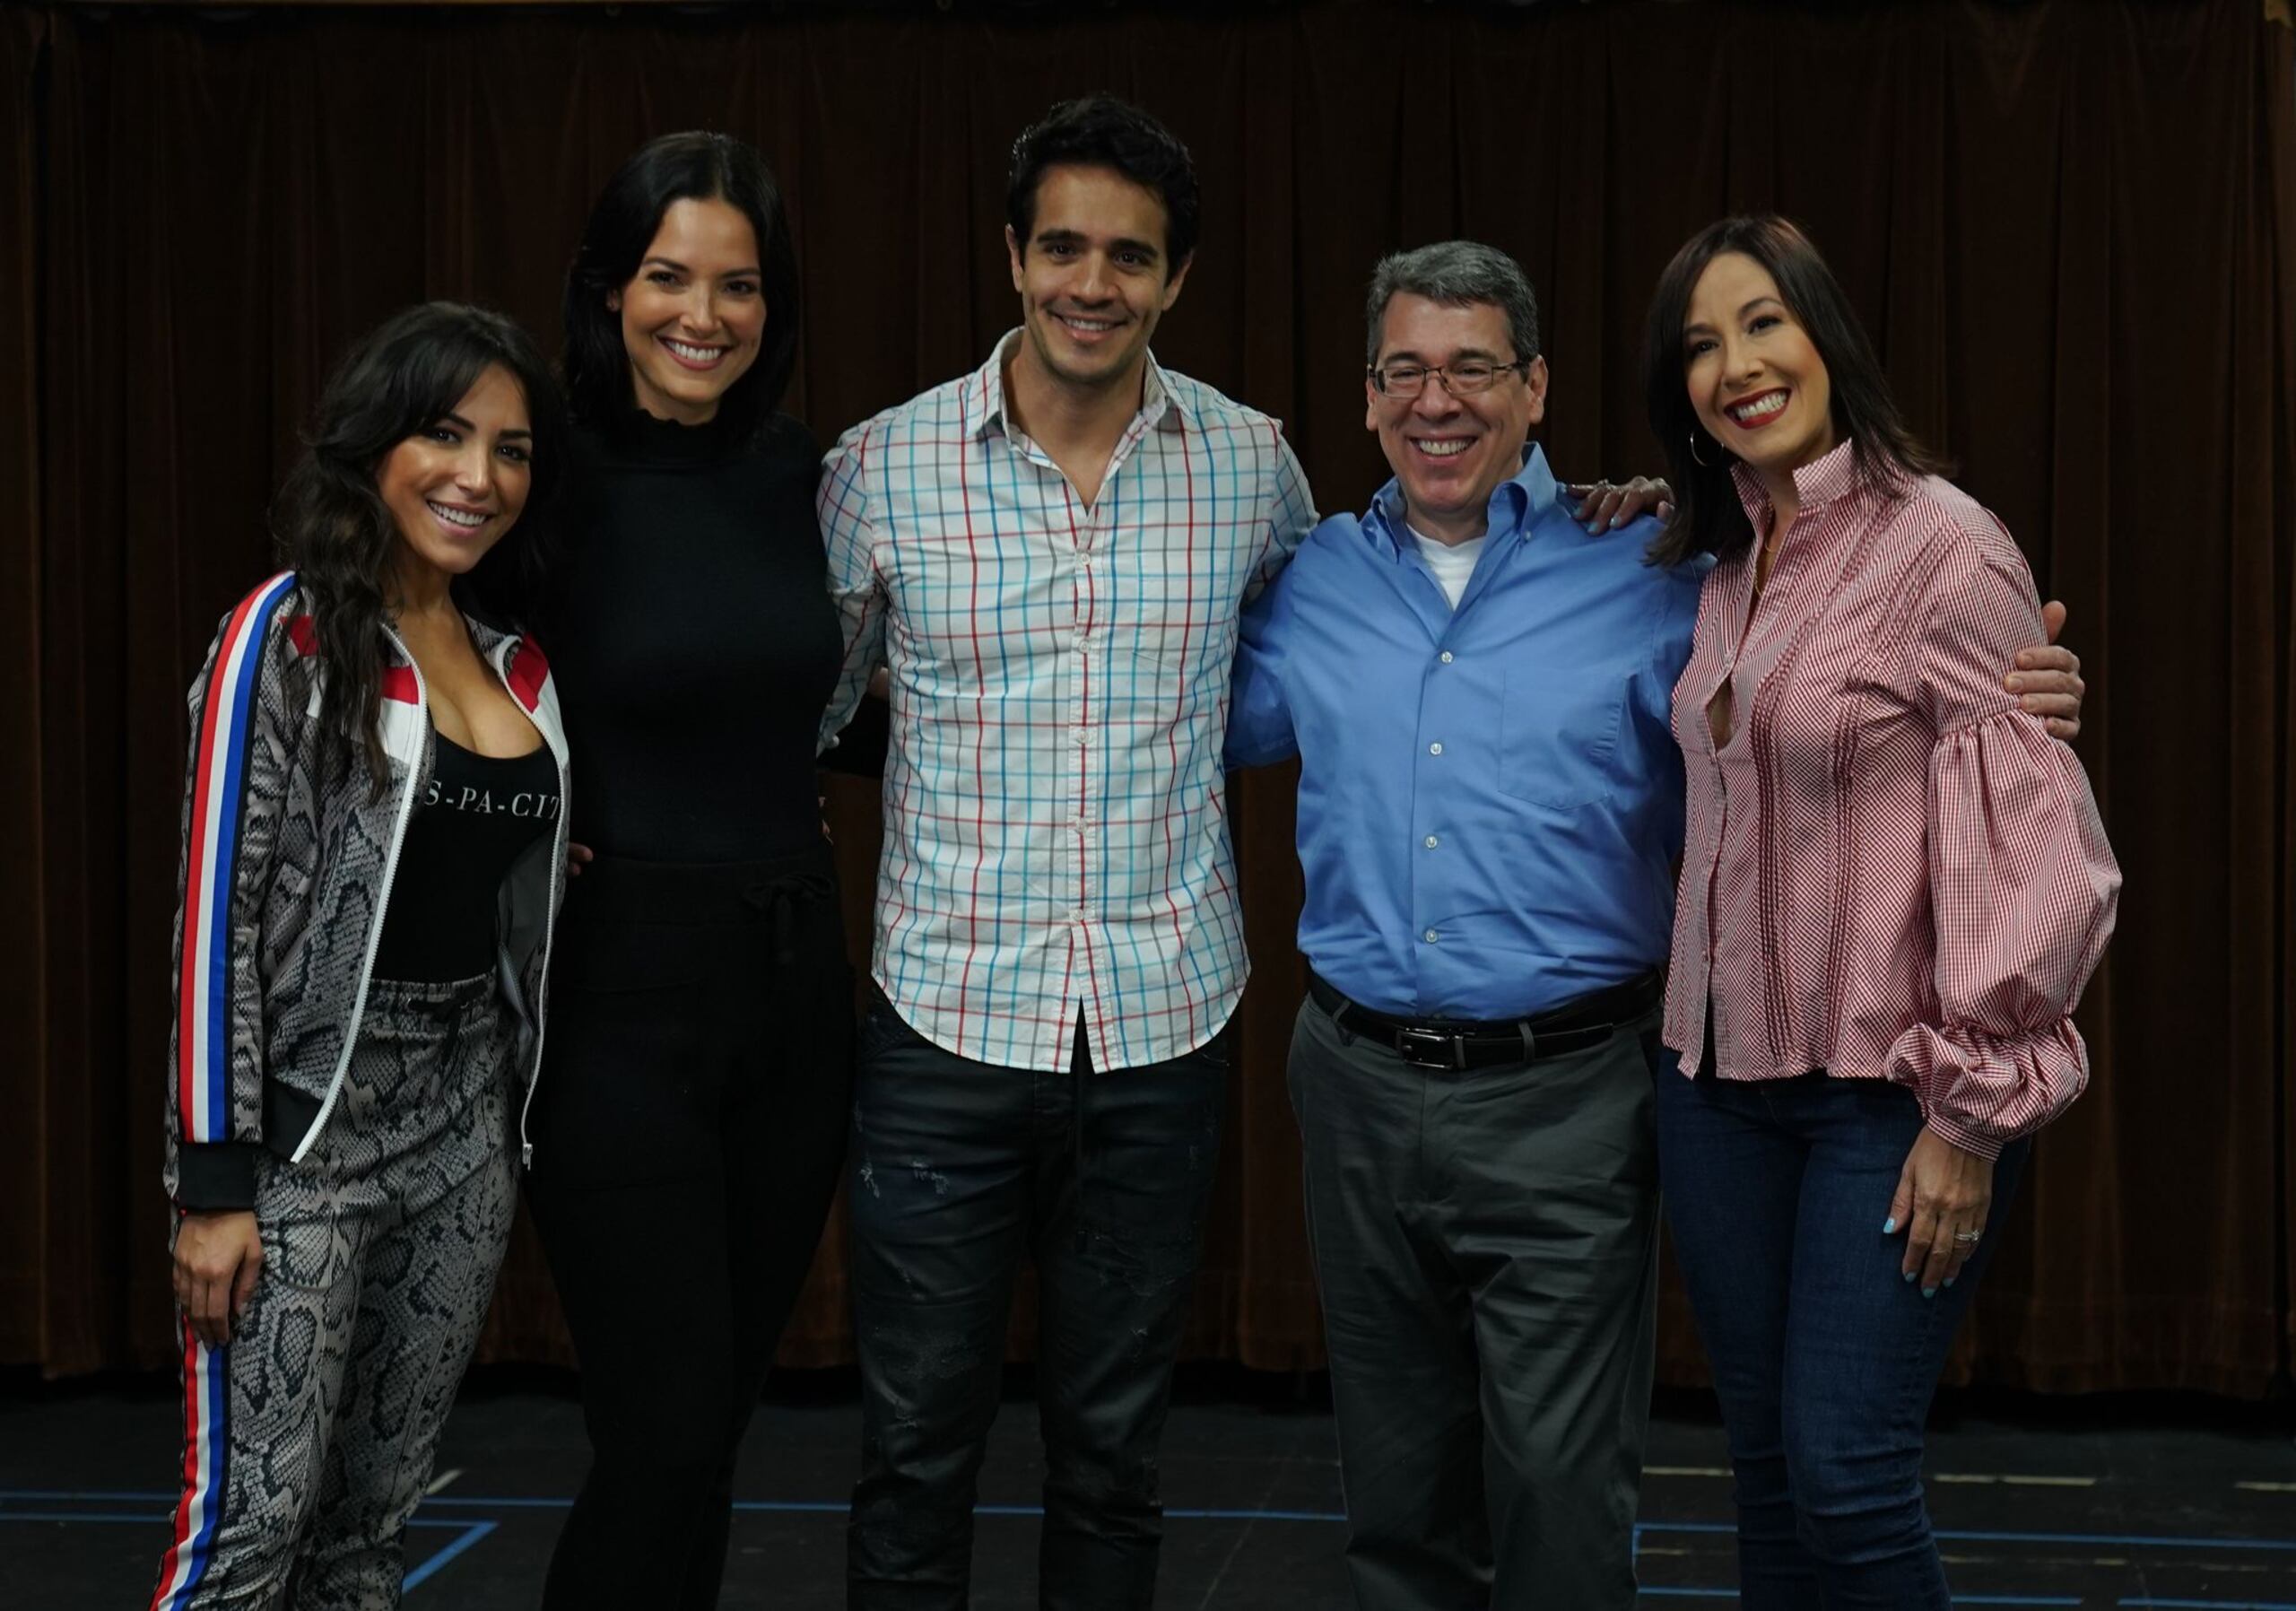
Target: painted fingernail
{"type": "Point", "coordinates": [1909, 1274]}
{"type": "Point", "coordinates": [1890, 1225]}
{"type": "Point", "coordinates": [1951, 1279]}
{"type": "Point", "coordinates": [1617, 521]}
{"type": "Point", "coordinates": [1928, 1292]}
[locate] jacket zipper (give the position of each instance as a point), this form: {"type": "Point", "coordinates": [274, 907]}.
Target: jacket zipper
{"type": "Point", "coordinates": [382, 905]}
{"type": "Point", "coordinates": [550, 919]}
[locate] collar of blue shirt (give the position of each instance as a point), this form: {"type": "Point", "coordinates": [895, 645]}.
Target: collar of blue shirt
{"type": "Point", "coordinates": [1512, 501]}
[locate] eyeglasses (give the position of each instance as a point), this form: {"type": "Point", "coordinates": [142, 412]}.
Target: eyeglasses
{"type": "Point", "coordinates": [1405, 381]}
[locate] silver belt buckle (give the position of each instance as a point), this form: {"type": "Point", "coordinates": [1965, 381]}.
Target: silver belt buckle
{"type": "Point", "coordinates": [1430, 1049]}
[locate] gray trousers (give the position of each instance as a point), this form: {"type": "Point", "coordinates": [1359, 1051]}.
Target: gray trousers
{"type": "Point", "coordinates": [309, 1437]}
{"type": "Point", "coordinates": [1486, 1245]}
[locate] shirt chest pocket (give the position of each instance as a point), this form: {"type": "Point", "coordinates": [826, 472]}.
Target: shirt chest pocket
{"type": "Point", "coordinates": [1558, 735]}
{"type": "Point", "coordinates": [1173, 603]}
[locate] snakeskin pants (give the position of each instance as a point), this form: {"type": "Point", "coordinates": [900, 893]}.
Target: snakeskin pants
{"type": "Point", "coordinates": [309, 1439]}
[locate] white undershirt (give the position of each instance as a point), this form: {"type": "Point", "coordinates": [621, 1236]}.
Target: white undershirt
{"type": "Point", "coordinates": [1452, 562]}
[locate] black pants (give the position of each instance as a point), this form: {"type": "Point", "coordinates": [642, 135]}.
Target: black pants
{"type": "Point", "coordinates": [960, 1168]}
{"type": "Point", "coordinates": [688, 1134]}
{"type": "Point", "coordinates": [1487, 1247]}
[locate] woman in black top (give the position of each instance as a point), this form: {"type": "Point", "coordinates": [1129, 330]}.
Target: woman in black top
{"type": "Point", "coordinates": [693, 1121]}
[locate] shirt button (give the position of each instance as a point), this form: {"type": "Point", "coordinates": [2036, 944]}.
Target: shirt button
{"type": "Point", "coordinates": [1435, 749]}
{"type": "Point", "coordinates": [1430, 936]}
{"type": "Point", "coordinates": [1445, 656]}
{"type": "Point", "coordinates": [1433, 841]}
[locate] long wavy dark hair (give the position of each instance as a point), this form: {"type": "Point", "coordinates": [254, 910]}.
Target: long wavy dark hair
{"type": "Point", "coordinates": [334, 530]}
{"type": "Point", "coordinates": [1707, 517]}
{"type": "Point", "coordinates": [699, 166]}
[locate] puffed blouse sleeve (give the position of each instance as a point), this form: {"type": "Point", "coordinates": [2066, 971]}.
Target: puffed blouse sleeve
{"type": "Point", "coordinates": [2022, 884]}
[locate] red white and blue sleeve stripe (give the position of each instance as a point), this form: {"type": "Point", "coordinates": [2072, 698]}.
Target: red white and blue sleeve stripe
{"type": "Point", "coordinates": [212, 852]}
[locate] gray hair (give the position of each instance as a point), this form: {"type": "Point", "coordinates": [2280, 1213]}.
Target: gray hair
{"type": "Point", "coordinates": [1456, 274]}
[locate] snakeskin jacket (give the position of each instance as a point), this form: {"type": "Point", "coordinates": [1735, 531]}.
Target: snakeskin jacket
{"type": "Point", "coordinates": [289, 850]}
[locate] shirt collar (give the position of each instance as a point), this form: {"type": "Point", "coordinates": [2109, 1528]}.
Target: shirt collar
{"type": "Point", "coordinates": [1514, 503]}
{"type": "Point", "coordinates": [984, 400]}
{"type": "Point", "coordinates": [1831, 475]}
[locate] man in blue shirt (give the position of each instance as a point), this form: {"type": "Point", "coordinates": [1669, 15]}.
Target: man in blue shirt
{"type": "Point", "coordinates": [1490, 805]}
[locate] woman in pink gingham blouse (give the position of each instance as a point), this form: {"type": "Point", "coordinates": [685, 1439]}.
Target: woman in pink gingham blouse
{"type": "Point", "coordinates": [1894, 885]}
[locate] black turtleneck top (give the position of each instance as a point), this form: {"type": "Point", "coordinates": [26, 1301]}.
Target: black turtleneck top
{"type": "Point", "coordinates": [693, 641]}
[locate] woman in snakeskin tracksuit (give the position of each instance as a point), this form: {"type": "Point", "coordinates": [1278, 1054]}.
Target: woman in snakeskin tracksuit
{"type": "Point", "coordinates": [374, 829]}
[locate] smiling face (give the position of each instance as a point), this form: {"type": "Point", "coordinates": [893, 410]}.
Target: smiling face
{"type": "Point", "coordinates": [457, 486]}
{"type": "Point", "coordinates": [694, 312]}
{"type": "Point", "coordinates": [1451, 453]}
{"type": "Point", "coordinates": [1756, 382]}
{"type": "Point", "coordinates": [1093, 277]}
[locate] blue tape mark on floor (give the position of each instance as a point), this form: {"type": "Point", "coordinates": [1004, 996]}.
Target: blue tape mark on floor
{"type": "Point", "coordinates": [69, 1505]}
{"type": "Point", "coordinates": [472, 1532]}
{"type": "Point", "coordinates": [1649, 1591]}
{"type": "Point", "coordinates": [159, 1518]}
{"type": "Point", "coordinates": [837, 1507]}
{"type": "Point", "coordinates": [1966, 1535]}
{"type": "Point", "coordinates": [468, 1532]}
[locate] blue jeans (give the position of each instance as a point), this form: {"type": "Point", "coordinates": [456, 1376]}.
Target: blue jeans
{"type": "Point", "coordinates": [1825, 1359]}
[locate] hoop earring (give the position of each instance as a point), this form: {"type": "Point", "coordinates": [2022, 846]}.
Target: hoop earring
{"type": "Point", "coordinates": [1694, 458]}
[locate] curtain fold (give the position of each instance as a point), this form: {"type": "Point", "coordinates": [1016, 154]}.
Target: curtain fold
{"type": "Point", "coordinates": [24, 1040]}
{"type": "Point", "coordinates": [2070, 226]}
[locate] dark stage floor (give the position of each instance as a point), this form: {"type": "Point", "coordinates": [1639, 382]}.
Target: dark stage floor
{"type": "Point", "coordinates": [2102, 1503]}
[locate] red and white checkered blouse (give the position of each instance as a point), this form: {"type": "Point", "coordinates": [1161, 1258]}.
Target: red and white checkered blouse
{"type": "Point", "coordinates": [1891, 871]}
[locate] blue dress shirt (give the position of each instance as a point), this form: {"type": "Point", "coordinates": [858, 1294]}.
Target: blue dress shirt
{"type": "Point", "coordinates": [1490, 799]}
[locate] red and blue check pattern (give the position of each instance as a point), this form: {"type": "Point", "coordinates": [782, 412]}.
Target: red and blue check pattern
{"type": "Point", "coordinates": [1056, 829]}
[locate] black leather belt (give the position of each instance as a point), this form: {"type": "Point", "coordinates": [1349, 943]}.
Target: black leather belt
{"type": "Point", "coordinates": [1454, 1044]}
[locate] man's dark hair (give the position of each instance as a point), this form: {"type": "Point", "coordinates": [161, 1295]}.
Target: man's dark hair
{"type": "Point", "coordinates": [1707, 517]}
{"type": "Point", "coordinates": [1100, 131]}
{"type": "Point", "coordinates": [699, 166]}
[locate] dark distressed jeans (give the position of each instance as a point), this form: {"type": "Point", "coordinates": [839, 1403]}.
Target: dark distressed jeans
{"type": "Point", "coordinates": [1825, 1359]}
{"type": "Point", "coordinates": [960, 1168]}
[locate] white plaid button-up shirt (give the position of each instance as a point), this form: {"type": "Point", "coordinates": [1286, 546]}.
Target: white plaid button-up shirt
{"type": "Point", "coordinates": [1056, 835]}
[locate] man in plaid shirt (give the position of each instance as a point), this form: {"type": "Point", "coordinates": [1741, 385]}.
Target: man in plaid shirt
{"type": "Point", "coordinates": [1052, 554]}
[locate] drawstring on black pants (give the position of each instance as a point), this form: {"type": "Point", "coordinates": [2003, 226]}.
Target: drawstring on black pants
{"type": "Point", "coordinates": [779, 901]}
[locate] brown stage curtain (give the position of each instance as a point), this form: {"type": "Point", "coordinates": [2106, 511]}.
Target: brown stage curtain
{"type": "Point", "coordinates": [2071, 226]}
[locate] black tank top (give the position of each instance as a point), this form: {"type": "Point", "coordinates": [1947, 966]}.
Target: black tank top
{"type": "Point", "coordinates": [479, 813]}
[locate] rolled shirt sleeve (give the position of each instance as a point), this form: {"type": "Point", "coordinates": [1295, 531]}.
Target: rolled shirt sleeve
{"type": "Point", "coordinates": [856, 586]}
{"type": "Point", "coordinates": [1259, 718]}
